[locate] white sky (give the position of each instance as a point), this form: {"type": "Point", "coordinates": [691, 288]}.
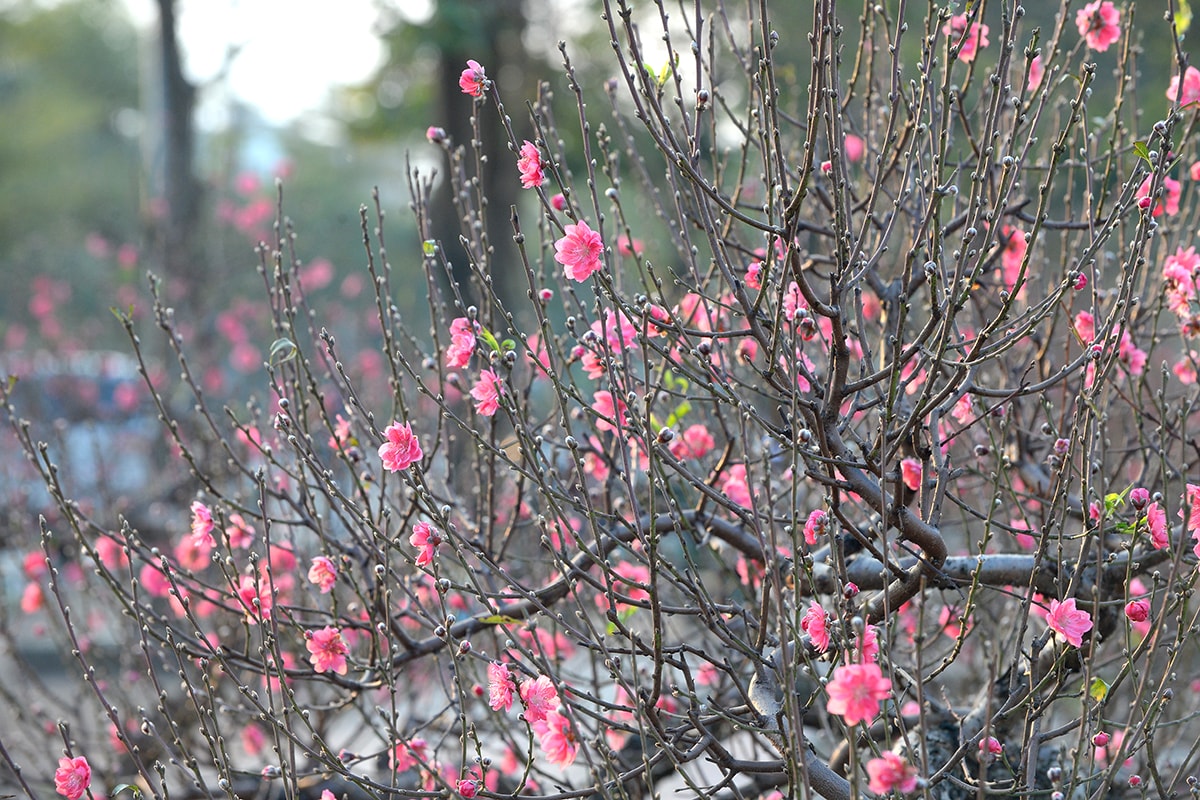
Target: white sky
{"type": "Point", "coordinates": [290, 53]}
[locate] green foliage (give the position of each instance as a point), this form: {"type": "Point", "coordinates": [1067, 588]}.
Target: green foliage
{"type": "Point", "coordinates": [67, 75]}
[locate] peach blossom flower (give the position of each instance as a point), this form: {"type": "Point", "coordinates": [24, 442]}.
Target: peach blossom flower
{"type": "Point", "coordinates": [1100, 24]}
{"type": "Point", "coordinates": [472, 79]}
{"type": "Point", "coordinates": [1169, 203]}
{"type": "Point", "coordinates": [486, 393]}
{"type": "Point", "coordinates": [910, 473]}
{"type": "Point", "coordinates": [856, 692]}
{"type": "Point", "coordinates": [401, 450]}
{"type": "Point", "coordinates": [202, 524]}
{"type": "Point", "coordinates": [970, 40]}
{"type": "Point", "coordinates": [425, 538]}
{"type": "Point", "coordinates": [1036, 72]}
{"type": "Point", "coordinates": [255, 596]}
{"type": "Point", "coordinates": [889, 773]}
{"type": "Point", "coordinates": [1137, 610]}
{"type": "Point", "coordinates": [736, 486]}
{"type": "Point", "coordinates": [1012, 255]}
{"type": "Point", "coordinates": [323, 573]}
{"type": "Point", "coordinates": [72, 777]}
{"type": "Point", "coordinates": [500, 686]}
{"type": "Point", "coordinates": [816, 624]}
{"type": "Point", "coordinates": [327, 650]}
{"type": "Point", "coordinates": [694, 442]}
{"type": "Point", "coordinates": [1156, 519]}
{"type": "Point", "coordinates": [1068, 621]}
{"type": "Point", "coordinates": [579, 251]}
{"type": "Point", "coordinates": [816, 525]}
{"type": "Point", "coordinates": [462, 343]}
{"type": "Point", "coordinates": [556, 739]}
{"type": "Point", "coordinates": [854, 148]}
{"type": "Point", "coordinates": [33, 598]}
{"type": "Point", "coordinates": [240, 534]}
{"type": "Point", "coordinates": [868, 643]}
{"type": "Point", "coordinates": [1191, 87]}
{"type": "Point", "coordinates": [608, 411]}
{"type": "Point", "coordinates": [539, 697]}
{"type": "Point", "coordinates": [530, 166]}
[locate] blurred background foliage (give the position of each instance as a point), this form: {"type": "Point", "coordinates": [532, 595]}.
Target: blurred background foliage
{"type": "Point", "coordinates": [81, 152]}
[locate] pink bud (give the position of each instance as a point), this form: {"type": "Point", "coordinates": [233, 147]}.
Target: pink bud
{"type": "Point", "coordinates": [559, 202]}
{"type": "Point", "coordinates": [545, 295]}
{"type": "Point", "coordinates": [1100, 739]}
{"type": "Point", "coordinates": [1139, 497]}
{"type": "Point", "coordinates": [1143, 204]}
{"type": "Point", "coordinates": [1135, 780]}
{"type": "Point", "coordinates": [1137, 611]}
{"type": "Point", "coordinates": [1081, 282]}
{"type": "Point", "coordinates": [991, 745]}
{"type": "Point", "coordinates": [827, 167]}
{"type": "Point", "coordinates": [435, 134]}
{"type": "Point", "coordinates": [850, 590]}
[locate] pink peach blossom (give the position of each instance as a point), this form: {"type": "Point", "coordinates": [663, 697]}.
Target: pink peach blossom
{"type": "Point", "coordinates": [426, 539]}
{"type": "Point", "coordinates": [1169, 203]}
{"type": "Point", "coordinates": [472, 79]}
{"type": "Point", "coordinates": [327, 650]}
{"type": "Point", "coordinates": [856, 692]}
{"type": "Point", "coordinates": [736, 486]}
{"type": "Point", "coordinates": [72, 777]}
{"type": "Point", "coordinates": [255, 596]}
{"type": "Point", "coordinates": [608, 411]}
{"type": "Point", "coordinates": [462, 343]}
{"type": "Point", "coordinates": [816, 624]}
{"type": "Point", "coordinates": [816, 525]}
{"type": "Point", "coordinates": [867, 644]}
{"type": "Point", "coordinates": [1036, 72]}
{"type": "Point", "coordinates": [1137, 610]}
{"type": "Point", "coordinates": [1068, 621]}
{"type": "Point", "coordinates": [557, 739]}
{"type": "Point", "coordinates": [500, 686]}
{"type": "Point", "coordinates": [911, 473]}
{"type": "Point", "coordinates": [539, 698]}
{"type": "Point", "coordinates": [1156, 520]}
{"type": "Point", "coordinates": [401, 450]}
{"type": "Point", "coordinates": [889, 773]}
{"type": "Point", "coordinates": [202, 524]}
{"type": "Point", "coordinates": [1012, 255]}
{"type": "Point", "coordinates": [1191, 87]}
{"type": "Point", "coordinates": [969, 39]}
{"type": "Point", "coordinates": [486, 393]}
{"type": "Point", "coordinates": [323, 573]}
{"type": "Point", "coordinates": [579, 251]}
{"type": "Point", "coordinates": [240, 534]}
{"type": "Point", "coordinates": [1100, 24]}
{"type": "Point", "coordinates": [694, 442]}
{"type": "Point", "coordinates": [530, 166]}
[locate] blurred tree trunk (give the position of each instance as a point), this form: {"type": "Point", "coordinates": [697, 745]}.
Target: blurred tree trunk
{"type": "Point", "coordinates": [177, 223]}
{"type": "Point", "coordinates": [495, 41]}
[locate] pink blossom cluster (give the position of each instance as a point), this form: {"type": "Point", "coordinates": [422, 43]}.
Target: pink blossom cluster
{"type": "Point", "coordinates": [543, 711]}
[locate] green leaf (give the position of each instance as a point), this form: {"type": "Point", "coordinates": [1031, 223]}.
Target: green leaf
{"type": "Point", "coordinates": [487, 336]}
{"type": "Point", "coordinates": [499, 619]}
{"type": "Point", "coordinates": [120, 787]}
{"type": "Point", "coordinates": [429, 246]}
{"type": "Point", "coordinates": [1142, 152]}
{"type": "Point", "coordinates": [1183, 17]}
{"type": "Point", "coordinates": [679, 413]}
{"type": "Point", "coordinates": [508, 345]}
{"type": "Point", "coordinates": [1098, 690]}
{"type": "Point", "coordinates": [1112, 502]}
{"type": "Point", "coordinates": [282, 350]}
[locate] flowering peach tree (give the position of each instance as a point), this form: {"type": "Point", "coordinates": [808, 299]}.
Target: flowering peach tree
{"type": "Point", "coordinates": [842, 445]}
